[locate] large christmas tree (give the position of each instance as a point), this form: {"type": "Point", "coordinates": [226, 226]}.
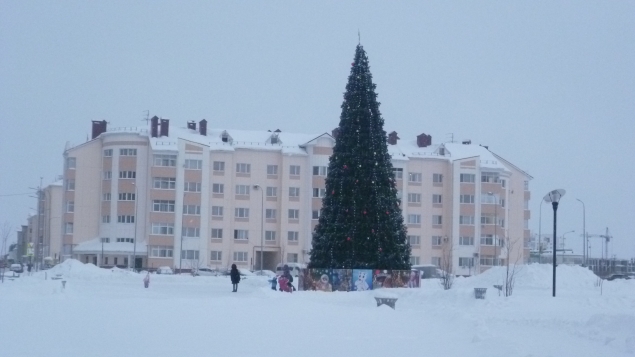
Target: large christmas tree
{"type": "Point", "coordinates": [361, 224]}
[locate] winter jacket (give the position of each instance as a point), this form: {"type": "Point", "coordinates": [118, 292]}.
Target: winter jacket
{"type": "Point", "coordinates": [235, 276]}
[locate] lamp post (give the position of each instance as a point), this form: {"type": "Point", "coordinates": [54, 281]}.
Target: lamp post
{"type": "Point", "coordinates": [563, 241]}
{"type": "Point", "coordinates": [540, 233]}
{"type": "Point", "coordinates": [554, 197]}
{"type": "Point", "coordinates": [495, 227]}
{"type": "Point", "coordinates": [262, 224]}
{"type": "Point", "coordinates": [181, 246]}
{"type": "Point", "coordinates": [584, 243]}
{"type": "Point", "coordinates": [134, 240]}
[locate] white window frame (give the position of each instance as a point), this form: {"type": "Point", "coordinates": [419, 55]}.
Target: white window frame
{"type": "Point", "coordinates": [127, 196]}
{"type": "Point", "coordinates": [319, 192]}
{"type": "Point", "coordinates": [125, 218]}
{"type": "Point", "coordinates": [164, 160]}
{"type": "Point", "coordinates": [293, 236]}
{"type": "Point", "coordinates": [272, 169]}
{"type": "Point", "coordinates": [467, 178]}
{"type": "Point", "coordinates": [163, 206]}
{"type": "Point", "coordinates": [192, 187]}
{"type": "Point", "coordinates": [414, 240]}
{"type": "Point", "coordinates": [127, 152]}
{"type": "Point", "coordinates": [243, 168]}
{"type": "Point", "coordinates": [270, 236]}
{"type": "Point", "coordinates": [163, 229]}
{"type": "Point", "coordinates": [70, 206]}
{"type": "Point", "coordinates": [414, 198]}
{"type": "Point", "coordinates": [466, 199]}
{"type": "Point", "coordinates": [272, 191]}
{"type": "Point", "coordinates": [437, 199]}
{"type": "Point", "coordinates": [398, 172]}
{"type": "Point", "coordinates": [240, 212]}
{"type": "Point", "coordinates": [127, 174]}
{"type": "Point", "coordinates": [437, 178]}
{"type": "Point", "coordinates": [294, 170]}
{"type": "Point", "coordinates": [218, 188]}
{"type": "Point", "coordinates": [190, 232]}
{"type": "Point", "coordinates": [217, 211]}
{"type": "Point", "coordinates": [414, 260]}
{"type": "Point", "coordinates": [294, 213]}
{"type": "Point", "coordinates": [320, 170]}
{"type": "Point", "coordinates": [271, 213]}
{"type": "Point", "coordinates": [193, 164]}
{"type": "Point", "coordinates": [192, 210]}
{"type": "Point", "coordinates": [70, 185]}
{"type": "Point", "coordinates": [466, 220]}
{"type": "Point", "coordinates": [315, 214]}
{"type": "Point", "coordinates": [242, 190]}
{"type": "Point", "coordinates": [414, 219]}
{"type": "Point", "coordinates": [107, 152]}
{"type": "Point", "coordinates": [414, 177]}
{"type": "Point", "coordinates": [68, 228]}
{"type": "Point", "coordinates": [294, 191]}
{"type": "Point", "coordinates": [218, 166]}
{"type": "Point", "coordinates": [216, 255]}
{"type": "Point", "coordinates": [71, 163]}
{"type": "Point", "coordinates": [466, 240]}
{"type": "Point", "coordinates": [240, 257]}
{"type": "Point", "coordinates": [241, 234]}
{"type": "Point", "coordinates": [217, 233]}
{"type": "Point", "coordinates": [164, 183]}
{"type": "Point", "coordinates": [437, 220]}
{"type": "Point", "coordinates": [437, 241]}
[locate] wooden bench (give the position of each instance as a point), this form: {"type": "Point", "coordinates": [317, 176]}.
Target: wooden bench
{"type": "Point", "coordinates": [386, 301]}
{"type": "Point", "coordinates": [479, 293]}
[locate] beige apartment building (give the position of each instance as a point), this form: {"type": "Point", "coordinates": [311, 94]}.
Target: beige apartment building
{"type": "Point", "coordinates": [191, 197]}
{"type": "Point", "coordinates": [43, 239]}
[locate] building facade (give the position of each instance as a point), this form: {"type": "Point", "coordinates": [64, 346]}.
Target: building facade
{"type": "Point", "coordinates": [192, 197]}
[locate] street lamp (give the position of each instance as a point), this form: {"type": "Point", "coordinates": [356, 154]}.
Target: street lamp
{"type": "Point", "coordinates": [134, 240]}
{"type": "Point", "coordinates": [554, 197]}
{"type": "Point", "coordinates": [540, 233]}
{"type": "Point", "coordinates": [584, 243]}
{"type": "Point", "coordinates": [262, 220]}
{"type": "Point", "coordinates": [563, 240]}
{"type": "Point", "coordinates": [495, 227]}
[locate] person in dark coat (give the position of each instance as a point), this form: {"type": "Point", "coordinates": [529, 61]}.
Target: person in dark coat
{"type": "Point", "coordinates": [274, 283]}
{"type": "Point", "coordinates": [287, 274]}
{"type": "Point", "coordinates": [235, 276]}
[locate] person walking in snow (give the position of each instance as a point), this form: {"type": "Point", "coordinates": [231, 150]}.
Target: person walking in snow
{"type": "Point", "coordinates": [287, 274]}
{"type": "Point", "coordinates": [235, 277]}
{"type": "Point", "coordinates": [274, 282]}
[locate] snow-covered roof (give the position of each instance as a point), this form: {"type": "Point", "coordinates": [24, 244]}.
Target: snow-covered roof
{"type": "Point", "coordinates": [94, 246]}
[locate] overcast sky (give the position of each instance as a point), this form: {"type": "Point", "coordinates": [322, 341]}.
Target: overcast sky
{"type": "Point", "coordinates": [549, 86]}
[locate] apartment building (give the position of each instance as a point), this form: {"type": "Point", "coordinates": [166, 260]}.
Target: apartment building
{"type": "Point", "coordinates": [193, 197]}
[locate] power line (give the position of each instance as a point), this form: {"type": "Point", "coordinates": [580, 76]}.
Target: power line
{"type": "Point", "coordinates": [16, 194]}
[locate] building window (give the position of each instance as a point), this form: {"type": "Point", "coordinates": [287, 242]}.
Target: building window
{"type": "Point", "coordinates": [125, 240]}
{"type": "Point", "coordinates": [218, 188]}
{"type": "Point", "coordinates": [217, 211]}
{"type": "Point", "coordinates": [320, 170]}
{"type": "Point", "coordinates": [437, 178]}
{"type": "Point", "coordinates": [107, 175]}
{"type": "Point", "coordinates": [488, 199]}
{"type": "Point", "coordinates": [414, 177]}
{"type": "Point", "coordinates": [189, 254]}
{"type": "Point", "coordinates": [68, 228]}
{"type": "Point", "coordinates": [294, 214]}
{"type": "Point", "coordinates": [487, 239]}
{"type": "Point", "coordinates": [319, 192]}
{"type": "Point", "coordinates": [217, 233]}
{"type": "Point", "coordinates": [487, 219]}
{"type": "Point", "coordinates": [414, 260]}
{"type": "Point", "coordinates": [190, 232]}
{"type": "Point", "coordinates": [315, 214]}
{"type": "Point", "coordinates": [70, 162]}
{"type": "Point", "coordinates": [526, 185]}
{"type": "Point", "coordinates": [414, 240]}
{"type": "Point", "coordinates": [467, 178]}
{"type": "Point", "coordinates": [466, 198]}
{"type": "Point", "coordinates": [218, 166]}
{"type": "Point", "coordinates": [163, 228]}
{"type": "Point", "coordinates": [106, 196]}
{"type": "Point", "coordinates": [489, 177]}
{"type": "Point", "coordinates": [436, 261]}
{"type": "Point", "coordinates": [414, 198]}
{"type": "Point", "coordinates": [193, 164]}
{"type": "Point", "coordinates": [437, 199]}
{"type": "Point", "coordinates": [192, 187]}
{"type": "Point", "coordinates": [193, 210]}
{"type": "Point", "coordinates": [125, 219]}
{"type": "Point", "coordinates": [466, 262]}
{"type": "Point", "coordinates": [161, 251]}
{"type": "Point", "coordinates": [466, 240]}
{"type": "Point", "coordinates": [162, 206]}
{"type": "Point", "coordinates": [294, 170]}
{"type": "Point", "coordinates": [127, 174]}
{"type": "Point", "coordinates": [108, 153]}
{"type": "Point", "coordinates": [70, 206]}
{"type": "Point", "coordinates": [105, 218]}
{"type": "Point", "coordinates": [294, 191]}
{"type": "Point", "coordinates": [503, 183]}
{"type": "Point", "coordinates": [270, 213]}
{"type": "Point", "coordinates": [292, 236]}
{"type": "Point", "coordinates": [292, 257]}
{"type": "Point", "coordinates": [105, 240]}
{"type": "Point", "coordinates": [243, 168]}
{"type": "Point", "coordinates": [215, 255]}
{"type": "Point", "coordinates": [126, 196]}
{"type": "Point", "coordinates": [164, 183]}
{"type": "Point", "coordinates": [437, 241]}
{"type": "Point", "coordinates": [270, 236]}
{"type": "Point", "coordinates": [242, 190]}
{"type": "Point", "coordinates": [127, 152]}
{"type": "Point", "coordinates": [241, 212]}
{"type": "Point", "coordinates": [272, 169]}
{"type": "Point", "coordinates": [414, 219]}
{"type": "Point", "coordinates": [488, 260]}
{"type": "Point", "coordinates": [240, 257]}
{"type": "Point", "coordinates": [437, 220]}
{"type": "Point", "coordinates": [164, 160]}
{"type": "Point", "coordinates": [241, 234]}
{"type": "Point", "coordinates": [272, 191]}
{"type": "Point", "coordinates": [466, 220]}
{"type": "Point", "coordinates": [70, 185]}
{"type": "Point", "coordinates": [398, 173]}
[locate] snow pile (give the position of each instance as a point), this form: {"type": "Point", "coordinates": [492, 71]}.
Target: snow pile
{"type": "Point", "coordinates": [534, 276]}
{"type": "Point", "coordinates": [72, 268]}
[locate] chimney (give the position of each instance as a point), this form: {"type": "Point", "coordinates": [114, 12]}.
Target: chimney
{"type": "Point", "coordinates": [392, 138]}
{"type": "Point", "coordinates": [335, 133]}
{"type": "Point", "coordinates": [165, 127]}
{"type": "Point", "coordinates": [154, 127]}
{"type": "Point", "coordinates": [424, 140]}
{"type": "Point", "coordinates": [191, 125]}
{"type": "Point", "coordinates": [202, 127]}
{"type": "Point", "coordinates": [99, 127]}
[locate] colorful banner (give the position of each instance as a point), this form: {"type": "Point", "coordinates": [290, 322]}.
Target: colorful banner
{"type": "Point", "coordinates": [362, 279]}
{"type": "Point", "coordinates": [395, 279]}
{"type": "Point", "coordinates": [356, 279]}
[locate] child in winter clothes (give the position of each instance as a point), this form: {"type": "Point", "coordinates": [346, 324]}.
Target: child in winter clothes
{"type": "Point", "coordinates": [235, 277]}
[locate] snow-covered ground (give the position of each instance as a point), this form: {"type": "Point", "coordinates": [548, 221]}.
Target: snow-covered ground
{"type": "Point", "coordinates": [109, 313]}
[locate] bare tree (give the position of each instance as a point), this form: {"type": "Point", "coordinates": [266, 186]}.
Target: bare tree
{"type": "Point", "coordinates": [4, 237]}
{"type": "Point", "coordinates": [510, 269]}
{"type": "Point", "coordinates": [447, 274]}
{"type": "Point", "coordinates": [195, 264]}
